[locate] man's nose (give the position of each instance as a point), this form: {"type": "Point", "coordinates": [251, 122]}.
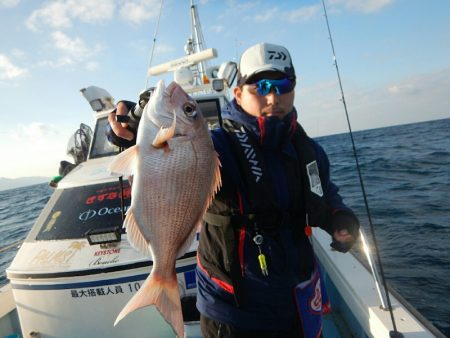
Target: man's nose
{"type": "Point", "coordinates": [272, 96]}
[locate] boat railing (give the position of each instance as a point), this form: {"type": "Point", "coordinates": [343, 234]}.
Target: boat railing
{"type": "Point", "coordinates": [367, 264]}
{"type": "Point", "coordinates": [11, 246]}
{"type": "Point", "coordinates": [8, 247]}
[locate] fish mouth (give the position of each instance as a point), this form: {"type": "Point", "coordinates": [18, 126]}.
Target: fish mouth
{"type": "Point", "coordinates": [170, 89]}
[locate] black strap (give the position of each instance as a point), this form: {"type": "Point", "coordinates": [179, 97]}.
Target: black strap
{"type": "Point", "coordinates": [258, 190]}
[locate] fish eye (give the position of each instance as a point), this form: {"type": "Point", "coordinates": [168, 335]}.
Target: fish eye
{"type": "Point", "coordinates": [190, 109]}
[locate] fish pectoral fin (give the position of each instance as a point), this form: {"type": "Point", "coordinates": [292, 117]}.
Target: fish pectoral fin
{"type": "Point", "coordinates": [164, 294]}
{"type": "Point", "coordinates": [165, 134]}
{"type": "Point", "coordinates": [124, 162]}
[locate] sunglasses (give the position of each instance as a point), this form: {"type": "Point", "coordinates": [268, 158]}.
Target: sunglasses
{"type": "Point", "coordinates": [265, 86]}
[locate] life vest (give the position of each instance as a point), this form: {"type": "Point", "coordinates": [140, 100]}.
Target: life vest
{"type": "Point", "coordinates": [220, 253]}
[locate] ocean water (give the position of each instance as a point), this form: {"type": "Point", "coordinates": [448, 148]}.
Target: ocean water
{"type": "Point", "coordinates": [406, 174]}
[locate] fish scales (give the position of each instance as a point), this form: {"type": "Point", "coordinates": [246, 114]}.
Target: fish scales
{"type": "Point", "coordinates": [175, 176]}
{"type": "Point", "coordinates": [172, 214]}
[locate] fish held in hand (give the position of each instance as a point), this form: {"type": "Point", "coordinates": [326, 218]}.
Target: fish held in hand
{"type": "Point", "coordinates": [175, 176]}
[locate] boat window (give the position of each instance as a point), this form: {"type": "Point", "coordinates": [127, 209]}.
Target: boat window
{"type": "Point", "coordinates": [100, 145]}
{"type": "Point", "coordinates": [80, 209]}
{"type": "Point", "coordinates": [210, 109]}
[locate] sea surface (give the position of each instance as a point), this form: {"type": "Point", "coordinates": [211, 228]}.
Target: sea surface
{"type": "Point", "coordinates": [406, 175]}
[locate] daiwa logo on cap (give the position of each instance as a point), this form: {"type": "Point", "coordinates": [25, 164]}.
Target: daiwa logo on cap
{"type": "Point", "coordinates": [274, 55]}
{"type": "Point", "coordinates": [265, 57]}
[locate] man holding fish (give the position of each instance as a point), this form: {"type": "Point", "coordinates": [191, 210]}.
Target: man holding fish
{"type": "Point", "coordinates": [256, 274]}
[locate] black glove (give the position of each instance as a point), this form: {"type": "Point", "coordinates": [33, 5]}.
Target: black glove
{"type": "Point", "coordinates": [348, 221]}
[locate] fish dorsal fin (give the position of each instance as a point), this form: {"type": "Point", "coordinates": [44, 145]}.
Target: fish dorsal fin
{"type": "Point", "coordinates": [217, 178]}
{"type": "Point", "coordinates": [165, 134]}
{"type": "Point", "coordinates": [124, 162]}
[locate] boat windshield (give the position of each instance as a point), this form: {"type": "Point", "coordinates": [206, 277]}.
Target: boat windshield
{"type": "Point", "coordinates": [100, 145]}
{"type": "Point", "coordinates": [74, 211]}
{"type": "Point", "coordinates": [210, 108]}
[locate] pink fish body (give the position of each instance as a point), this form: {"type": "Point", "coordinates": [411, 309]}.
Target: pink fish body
{"type": "Point", "coordinates": [175, 176]}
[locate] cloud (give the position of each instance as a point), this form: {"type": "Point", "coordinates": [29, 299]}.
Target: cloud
{"type": "Point", "coordinates": [364, 6]}
{"type": "Point", "coordinates": [61, 14]}
{"type": "Point", "coordinates": [73, 50]}
{"type": "Point", "coordinates": [217, 28]}
{"type": "Point", "coordinates": [8, 70]}
{"type": "Point", "coordinates": [234, 6]}
{"type": "Point", "coordinates": [9, 3]}
{"type": "Point", "coordinates": [18, 53]}
{"type": "Point", "coordinates": [92, 66]}
{"type": "Point", "coordinates": [142, 46]}
{"type": "Point", "coordinates": [74, 47]}
{"type": "Point", "coordinates": [420, 85]}
{"type": "Point", "coordinates": [139, 10]}
{"type": "Point", "coordinates": [36, 130]}
{"type": "Point", "coordinates": [164, 48]}
{"type": "Point", "coordinates": [268, 15]}
{"type": "Point", "coordinates": [304, 13]}
{"type": "Point", "coordinates": [55, 15]}
{"type": "Point", "coordinates": [403, 89]}
{"type": "Point", "coordinates": [418, 98]}
{"type": "Point", "coordinates": [38, 146]}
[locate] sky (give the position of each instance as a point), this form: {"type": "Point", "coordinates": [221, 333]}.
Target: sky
{"type": "Point", "coordinates": [393, 57]}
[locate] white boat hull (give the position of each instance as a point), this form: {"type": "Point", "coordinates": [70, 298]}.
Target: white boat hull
{"type": "Point", "coordinates": [87, 305]}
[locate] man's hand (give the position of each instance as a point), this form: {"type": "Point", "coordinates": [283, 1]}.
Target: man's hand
{"type": "Point", "coordinates": [345, 231]}
{"type": "Point", "coordinates": [120, 128]}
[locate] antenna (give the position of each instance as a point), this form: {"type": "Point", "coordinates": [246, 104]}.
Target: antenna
{"type": "Point", "coordinates": [198, 40]}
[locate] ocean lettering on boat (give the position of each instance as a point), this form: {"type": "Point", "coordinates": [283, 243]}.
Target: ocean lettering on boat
{"type": "Point", "coordinates": [91, 213]}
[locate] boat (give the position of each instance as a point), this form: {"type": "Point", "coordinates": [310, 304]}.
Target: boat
{"type": "Point", "coordinates": [75, 270]}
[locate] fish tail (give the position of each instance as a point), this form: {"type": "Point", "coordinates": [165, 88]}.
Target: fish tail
{"type": "Point", "coordinates": [164, 294]}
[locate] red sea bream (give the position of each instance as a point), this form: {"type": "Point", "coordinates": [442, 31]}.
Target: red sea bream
{"type": "Point", "coordinates": [175, 176]}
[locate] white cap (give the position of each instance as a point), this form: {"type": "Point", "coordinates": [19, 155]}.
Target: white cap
{"type": "Point", "coordinates": [265, 57]}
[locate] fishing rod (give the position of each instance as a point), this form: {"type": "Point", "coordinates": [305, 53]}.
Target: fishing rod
{"type": "Point", "coordinates": [154, 44]}
{"type": "Point", "coordinates": [394, 333]}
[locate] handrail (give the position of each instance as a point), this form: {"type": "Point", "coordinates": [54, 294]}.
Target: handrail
{"type": "Point", "coordinates": [12, 245]}
{"type": "Point", "coordinates": [373, 269]}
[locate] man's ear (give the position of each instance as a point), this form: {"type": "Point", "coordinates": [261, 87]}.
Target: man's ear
{"type": "Point", "coordinates": [237, 94]}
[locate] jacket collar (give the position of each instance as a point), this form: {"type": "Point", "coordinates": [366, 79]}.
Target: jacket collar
{"type": "Point", "coordinates": [270, 131]}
